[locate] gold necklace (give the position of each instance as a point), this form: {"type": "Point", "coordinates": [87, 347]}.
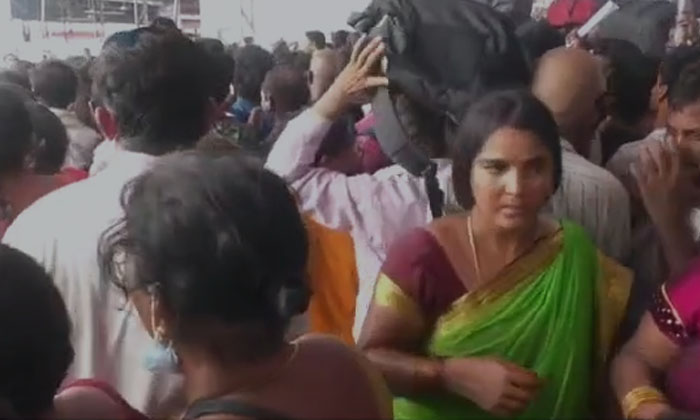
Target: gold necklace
{"type": "Point", "coordinates": [472, 243]}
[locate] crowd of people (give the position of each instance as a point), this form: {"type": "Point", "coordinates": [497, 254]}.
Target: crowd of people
{"type": "Point", "coordinates": [194, 230]}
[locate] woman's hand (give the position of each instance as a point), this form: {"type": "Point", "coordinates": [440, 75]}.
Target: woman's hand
{"type": "Point", "coordinates": [354, 83]}
{"type": "Point", "coordinates": [497, 386]}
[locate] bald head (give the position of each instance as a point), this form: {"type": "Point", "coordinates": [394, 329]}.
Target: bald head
{"type": "Point", "coordinates": [570, 81]}
{"type": "Point", "coordinates": [325, 67]}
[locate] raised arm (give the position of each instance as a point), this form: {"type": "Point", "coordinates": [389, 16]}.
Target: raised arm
{"type": "Point", "coordinates": [667, 189]}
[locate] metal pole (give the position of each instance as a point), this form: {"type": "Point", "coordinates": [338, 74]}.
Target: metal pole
{"type": "Point", "coordinates": [43, 11]}
{"type": "Point", "coordinates": [136, 13]}
{"type": "Point", "coordinates": [176, 12]}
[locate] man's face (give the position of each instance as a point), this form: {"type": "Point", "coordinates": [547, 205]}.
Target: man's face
{"type": "Point", "coordinates": [683, 125]}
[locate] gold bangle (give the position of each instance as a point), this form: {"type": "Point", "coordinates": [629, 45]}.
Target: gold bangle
{"type": "Point", "coordinates": [638, 396]}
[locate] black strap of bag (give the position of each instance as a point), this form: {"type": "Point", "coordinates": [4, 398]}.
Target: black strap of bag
{"type": "Point", "coordinates": [394, 144]}
{"type": "Point", "coordinates": [229, 406]}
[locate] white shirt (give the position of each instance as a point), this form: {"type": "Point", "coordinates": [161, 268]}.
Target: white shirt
{"type": "Point", "coordinates": [82, 140]}
{"type": "Point", "coordinates": [376, 209]}
{"type": "Point", "coordinates": [621, 162]}
{"type": "Point", "coordinates": [62, 231]}
{"type": "Point", "coordinates": [592, 197]}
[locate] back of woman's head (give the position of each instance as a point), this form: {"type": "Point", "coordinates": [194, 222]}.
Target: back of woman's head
{"type": "Point", "coordinates": [516, 109]}
{"type": "Point", "coordinates": [221, 242]}
{"type": "Point", "coordinates": [36, 350]}
{"type": "Point", "coordinates": [51, 139]}
{"type": "Point", "coordinates": [15, 130]}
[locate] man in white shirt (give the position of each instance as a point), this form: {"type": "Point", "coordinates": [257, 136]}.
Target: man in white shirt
{"type": "Point", "coordinates": [376, 209]}
{"type": "Point", "coordinates": [572, 85]}
{"type": "Point", "coordinates": [56, 86]}
{"type": "Point", "coordinates": [153, 97]}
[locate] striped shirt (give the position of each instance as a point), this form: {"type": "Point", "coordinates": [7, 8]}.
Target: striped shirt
{"type": "Point", "coordinates": [592, 197]}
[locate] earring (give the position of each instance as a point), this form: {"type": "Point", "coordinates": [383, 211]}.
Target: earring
{"type": "Point", "coordinates": [160, 357]}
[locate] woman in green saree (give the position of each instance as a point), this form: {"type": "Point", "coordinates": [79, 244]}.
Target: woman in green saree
{"type": "Point", "coordinates": [499, 311]}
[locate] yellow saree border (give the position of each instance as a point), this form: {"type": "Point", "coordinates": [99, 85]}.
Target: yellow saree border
{"type": "Point", "coordinates": [613, 291]}
{"type": "Point", "coordinates": [389, 295]}
{"type": "Point", "coordinates": [517, 274]}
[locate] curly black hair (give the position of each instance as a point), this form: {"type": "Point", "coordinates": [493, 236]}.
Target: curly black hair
{"type": "Point", "coordinates": [221, 241]}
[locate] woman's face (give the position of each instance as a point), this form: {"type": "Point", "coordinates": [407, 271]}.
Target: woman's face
{"type": "Point", "coordinates": [512, 178]}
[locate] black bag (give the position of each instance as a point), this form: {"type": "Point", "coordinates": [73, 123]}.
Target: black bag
{"type": "Point", "coordinates": [442, 55]}
{"type": "Point", "coordinates": [644, 23]}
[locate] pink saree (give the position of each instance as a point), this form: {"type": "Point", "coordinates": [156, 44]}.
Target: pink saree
{"type": "Point", "coordinates": [676, 310]}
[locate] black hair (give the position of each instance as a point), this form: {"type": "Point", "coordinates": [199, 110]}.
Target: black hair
{"type": "Point", "coordinates": [340, 137]}
{"type": "Point", "coordinates": [631, 79]}
{"type": "Point", "coordinates": [340, 39]}
{"type": "Point", "coordinates": [157, 85]}
{"type": "Point", "coordinates": [287, 87]}
{"type": "Point", "coordinates": [55, 83]}
{"type": "Point", "coordinates": [317, 38]}
{"type": "Point", "coordinates": [252, 64]}
{"type": "Point", "coordinates": [686, 91]}
{"type": "Point", "coordinates": [15, 130]}
{"type": "Point", "coordinates": [538, 37]}
{"type": "Point", "coordinates": [50, 142]}
{"type": "Point", "coordinates": [36, 351]}
{"type": "Point", "coordinates": [221, 67]}
{"type": "Point", "coordinates": [15, 78]}
{"type": "Point", "coordinates": [222, 242]}
{"type": "Point", "coordinates": [675, 61]}
{"type": "Point", "coordinates": [517, 109]}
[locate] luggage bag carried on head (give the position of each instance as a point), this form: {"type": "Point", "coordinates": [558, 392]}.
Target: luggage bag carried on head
{"type": "Point", "coordinates": [442, 55]}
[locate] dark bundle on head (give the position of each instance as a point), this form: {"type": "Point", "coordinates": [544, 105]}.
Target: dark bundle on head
{"type": "Point", "coordinates": [252, 64]}
{"type": "Point", "coordinates": [50, 140]}
{"type": "Point", "coordinates": [55, 83]}
{"type": "Point", "coordinates": [221, 241]}
{"type": "Point", "coordinates": [286, 85]}
{"type": "Point", "coordinates": [221, 66]}
{"type": "Point", "coordinates": [317, 39]}
{"type": "Point", "coordinates": [15, 130]}
{"type": "Point", "coordinates": [158, 89]}
{"type": "Point", "coordinates": [441, 72]}
{"type": "Point", "coordinates": [36, 331]}
{"type": "Point", "coordinates": [674, 62]}
{"type": "Point", "coordinates": [686, 90]}
{"type": "Point", "coordinates": [516, 109]}
{"type": "Point", "coordinates": [538, 37]}
{"type": "Point", "coordinates": [631, 79]}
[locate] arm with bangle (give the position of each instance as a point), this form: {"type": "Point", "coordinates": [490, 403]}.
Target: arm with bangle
{"type": "Point", "coordinates": [636, 369]}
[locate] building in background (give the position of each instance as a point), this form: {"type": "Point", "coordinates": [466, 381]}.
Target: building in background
{"type": "Point", "coordinates": [34, 29]}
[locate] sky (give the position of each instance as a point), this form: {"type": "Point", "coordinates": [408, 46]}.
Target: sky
{"type": "Point", "coordinates": [289, 19]}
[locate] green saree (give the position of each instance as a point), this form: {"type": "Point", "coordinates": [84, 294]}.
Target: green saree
{"type": "Point", "coordinates": [550, 312]}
